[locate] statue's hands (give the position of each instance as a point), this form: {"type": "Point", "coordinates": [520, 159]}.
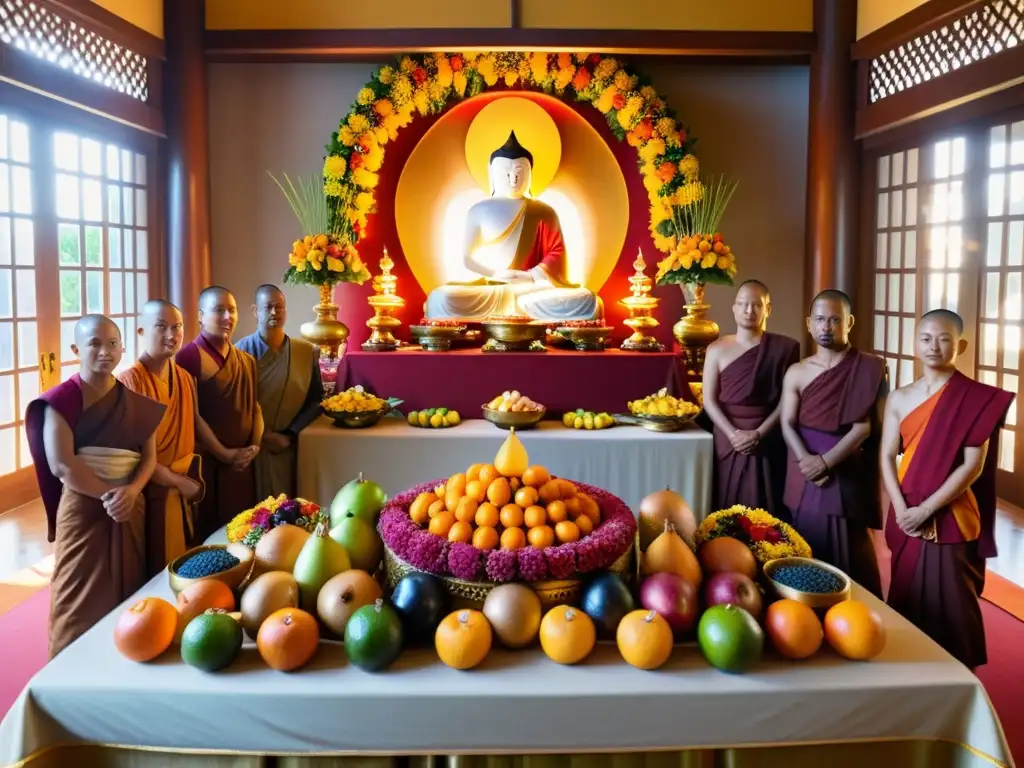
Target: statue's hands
{"type": "Point", "coordinates": [513, 276]}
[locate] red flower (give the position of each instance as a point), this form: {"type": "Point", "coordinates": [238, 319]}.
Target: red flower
{"type": "Point", "coordinates": [332, 250]}
{"type": "Point", "coordinates": [364, 143]}
{"type": "Point", "coordinates": [419, 75]}
{"type": "Point", "coordinates": [456, 63]}
{"type": "Point", "coordinates": [582, 79]}
{"type": "Point", "coordinates": [774, 536]}
{"type": "Point", "coordinates": [745, 523]}
{"type": "Point", "coordinates": [760, 532]}
{"type": "Point", "coordinates": [718, 237]}
{"type": "Point", "coordinates": [644, 130]}
{"type": "Point", "coordinates": [356, 161]}
{"type": "Point", "coordinates": [682, 135]}
{"type": "Point", "coordinates": [619, 101]}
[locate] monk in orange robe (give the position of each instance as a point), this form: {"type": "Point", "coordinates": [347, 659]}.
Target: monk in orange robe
{"type": "Point", "coordinates": [942, 490]}
{"type": "Point", "coordinates": [177, 484]}
{"type": "Point", "coordinates": [94, 448]}
{"type": "Point", "coordinates": [226, 390]}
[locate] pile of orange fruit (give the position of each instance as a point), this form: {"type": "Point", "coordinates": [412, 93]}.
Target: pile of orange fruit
{"type": "Point", "coordinates": [484, 508]}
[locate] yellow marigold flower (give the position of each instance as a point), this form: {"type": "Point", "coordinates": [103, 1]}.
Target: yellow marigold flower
{"type": "Point", "coordinates": [511, 77]}
{"type": "Point", "coordinates": [374, 159]}
{"type": "Point", "coordinates": [652, 184]}
{"type": "Point", "coordinates": [606, 68]}
{"type": "Point", "coordinates": [723, 262]}
{"type": "Point", "coordinates": [665, 126]}
{"type": "Point", "coordinates": [357, 263]}
{"type": "Point", "coordinates": [648, 93]}
{"type": "Point", "coordinates": [685, 260]}
{"type": "Point", "coordinates": [539, 67]}
{"type": "Point", "coordinates": [624, 81]}
{"type": "Point", "coordinates": [407, 64]}
{"type": "Point", "coordinates": [380, 134]}
{"type": "Point", "coordinates": [689, 166]}
{"type": "Point", "coordinates": [363, 202]}
{"type": "Point", "coordinates": [661, 211]}
{"type": "Point", "coordinates": [315, 257]}
{"type": "Point", "coordinates": [391, 124]}
{"type": "Point", "coordinates": [459, 83]}
{"type": "Point", "coordinates": [365, 179]}
{"type": "Point", "coordinates": [664, 244]}
{"type": "Point", "coordinates": [299, 249]}
{"type": "Point", "coordinates": [652, 150]}
{"type": "Point", "coordinates": [346, 136]}
{"type": "Point", "coordinates": [672, 140]}
{"type": "Point", "coordinates": [365, 96]}
{"type": "Point", "coordinates": [708, 261]}
{"type": "Point", "coordinates": [445, 76]}
{"type": "Point", "coordinates": [606, 100]}
{"type": "Point", "coordinates": [358, 123]}
{"type": "Point", "coordinates": [487, 70]}
{"type": "Point", "coordinates": [321, 241]}
{"type": "Point", "coordinates": [308, 241]}
{"type": "Point", "coordinates": [383, 107]}
{"type": "Point", "coordinates": [422, 101]}
{"type": "Point", "coordinates": [335, 166]}
{"type": "Point", "coordinates": [627, 116]}
{"type": "Point", "coordinates": [333, 188]}
{"type": "Point", "coordinates": [299, 262]}
{"type": "Point", "coordinates": [386, 75]}
{"type": "Point", "coordinates": [335, 265]}
{"type": "Point", "coordinates": [564, 77]}
{"type": "Point", "coordinates": [436, 91]}
{"type": "Point", "coordinates": [401, 91]}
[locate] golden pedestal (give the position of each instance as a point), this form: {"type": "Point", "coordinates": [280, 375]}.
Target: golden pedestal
{"type": "Point", "coordinates": [326, 332]}
{"type": "Point", "coordinates": [694, 331]}
{"type": "Point", "coordinates": [384, 302]}
{"type": "Point", "coordinates": [641, 306]}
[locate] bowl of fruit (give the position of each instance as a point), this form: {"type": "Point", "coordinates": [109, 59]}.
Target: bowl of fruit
{"type": "Point", "coordinates": [581, 419]}
{"type": "Point", "coordinates": [434, 418]}
{"type": "Point", "coordinates": [229, 563]}
{"type": "Point", "coordinates": [513, 410]}
{"type": "Point", "coordinates": [662, 412]}
{"type": "Point", "coordinates": [585, 335]}
{"type": "Point", "coordinates": [356, 408]}
{"type": "Point", "coordinates": [806, 580]}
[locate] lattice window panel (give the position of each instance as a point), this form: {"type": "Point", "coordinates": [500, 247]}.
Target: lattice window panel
{"type": "Point", "coordinates": [976, 36]}
{"type": "Point", "coordinates": [29, 27]}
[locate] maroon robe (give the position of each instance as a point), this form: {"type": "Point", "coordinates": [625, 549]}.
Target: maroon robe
{"type": "Point", "coordinates": [749, 389]}
{"type": "Point", "coordinates": [936, 584]}
{"type": "Point", "coordinates": [227, 402]}
{"type": "Point", "coordinates": [835, 517]}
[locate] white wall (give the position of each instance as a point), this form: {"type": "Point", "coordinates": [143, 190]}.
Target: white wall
{"type": "Point", "coordinates": [751, 122]}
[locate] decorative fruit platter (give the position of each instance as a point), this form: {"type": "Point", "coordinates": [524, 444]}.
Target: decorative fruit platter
{"type": "Point", "coordinates": [356, 408]}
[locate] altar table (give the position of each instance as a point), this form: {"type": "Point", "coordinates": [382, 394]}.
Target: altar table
{"type": "Point", "coordinates": [561, 380]}
{"type": "Point", "coordinates": [629, 462]}
{"type": "Point", "coordinates": [913, 705]}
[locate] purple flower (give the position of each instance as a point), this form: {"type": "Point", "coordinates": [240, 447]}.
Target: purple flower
{"type": "Point", "coordinates": [465, 561]}
{"type": "Point", "coordinates": [261, 518]}
{"type": "Point", "coordinates": [396, 529]}
{"type": "Point", "coordinates": [561, 561]}
{"type": "Point", "coordinates": [590, 554]}
{"type": "Point", "coordinates": [427, 552]}
{"type": "Point", "coordinates": [501, 565]}
{"type": "Point", "coordinates": [532, 564]}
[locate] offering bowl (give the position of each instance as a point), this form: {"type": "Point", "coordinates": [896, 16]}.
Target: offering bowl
{"type": "Point", "coordinates": [816, 600]}
{"type": "Point", "coordinates": [514, 336]}
{"type": "Point", "coordinates": [437, 338]}
{"type": "Point", "coordinates": [233, 577]}
{"type": "Point", "coordinates": [517, 419]}
{"type": "Point", "coordinates": [586, 338]}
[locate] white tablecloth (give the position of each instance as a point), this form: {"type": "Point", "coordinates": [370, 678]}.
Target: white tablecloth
{"type": "Point", "coordinates": [629, 462]}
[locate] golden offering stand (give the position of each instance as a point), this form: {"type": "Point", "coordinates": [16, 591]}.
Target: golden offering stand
{"type": "Point", "coordinates": [641, 306]}
{"type": "Point", "coordinates": [384, 302]}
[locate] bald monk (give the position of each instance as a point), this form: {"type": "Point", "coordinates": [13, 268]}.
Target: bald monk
{"type": "Point", "coordinates": [92, 441]}
{"type": "Point", "coordinates": [289, 391]}
{"type": "Point", "coordinates": [830, 423]}
{"type": "Point", "coordinates": [226, 390]}
{"type": "Point", "coordinates": [177, 482]}
{"type": "Point", "coordinates": [943, 494]}
{"type": "Point", "coordinates": [743, 397]}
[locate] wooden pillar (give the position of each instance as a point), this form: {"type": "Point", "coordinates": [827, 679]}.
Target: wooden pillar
{"type": "Point", "coordinates": [833, 160]}
{"type": "Point", "coordinates": [188, 170]}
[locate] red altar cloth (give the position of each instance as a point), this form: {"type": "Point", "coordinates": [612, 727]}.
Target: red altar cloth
{"type": "Point", "coordinates": [561, 380]}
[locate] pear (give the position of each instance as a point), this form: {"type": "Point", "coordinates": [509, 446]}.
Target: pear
{"type": "Point", "coordinates": [320, 559]}
{"type": "Point", "coordinates": [512, 459]}
{"type": "Point", "coordinates": [669, 554]}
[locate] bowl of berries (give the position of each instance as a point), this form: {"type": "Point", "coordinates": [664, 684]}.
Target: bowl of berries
{"type": "Point", "coordinates": [229, 563]}
{"type": "Point", "coordinates": [806, 580]}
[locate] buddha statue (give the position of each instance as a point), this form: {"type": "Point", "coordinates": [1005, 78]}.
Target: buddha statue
{"type": "Point", "coordinates": [515, 244]}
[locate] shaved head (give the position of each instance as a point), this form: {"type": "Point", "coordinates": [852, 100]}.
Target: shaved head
{"type": "Point", "coordinates": [755, 284]}
{"type": "Point", "coordinates": [940, 339]}
{"type": "Point", "coordinates": [271, 311]}
{"type": "Point", "coordinates": [268, 290]}
{"type": "Point", "coordinates": [155, 308]}
{"type": "Point", "coordinates": [214, 294]}
{"type": "Point", "coordinates": [831, 294]}
{"type": "Point", "coordinates": [831, 319]}
{"type": "Point", "coordinates": [161, 330]}
{"type": "Point", "coordinates": [93, 325]}
{"type": "Point", "coordinates": [946, 317]}
{"type": "Point", "coordinates": [218, 313]}
{"type": "Point", "coordinates": [98, 346]}
{"type": "Point", "coordinates": [752, 306]}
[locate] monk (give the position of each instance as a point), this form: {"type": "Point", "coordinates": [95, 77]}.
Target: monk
{"type": "Point", "coordinates": [743, 397]}
{"type": "Point", "coordinates": [830, 423]}
{"type": "Point", "coordinates": [289, 391]}
{"type": "Point", "coordinates": [92, 441]}
{"type": "Point", "coordinates": [177, 484]}
{"type": "Point", "coordinates": [226, 391]}
{"type": "Point", "coordinates": [942, 490]}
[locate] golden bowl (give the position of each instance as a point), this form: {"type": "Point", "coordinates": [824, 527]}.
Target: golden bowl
{"type": "Point", "coordinates": [817, 600]}
{"type": "Point", "coordinates": [656, 423]}
{"type": "Point", "coordinates": [233, 577]}
{"type": "Point", "coordinates": [586, 338]}
{"type": "Point", "coordinates": [437, 338]}
{"type": "Point", "coordinates": [509, 336]}
{"type": "Point", "coordinates": [517, 419]}
{"type": "Point", "coordinates": [355, 419]}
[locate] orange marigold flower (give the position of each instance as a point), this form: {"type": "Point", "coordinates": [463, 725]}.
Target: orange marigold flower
{"type": "Point", "coordinates": [564, 60]}
{"type": "Point", "coordinates": [365, 142]}
{"type": "Point", "coordinates": [644, 130]}
{"type": "Point", "coordinates": [619, 101]}
{"type": "Point", "coordinates": [456, 63]}
{"type": "Point", "coordinates": [667, 171]}
{"type": "Point", "coordinates": [356, 161]}
{"type": "Point", "coordinates": [582, 79]}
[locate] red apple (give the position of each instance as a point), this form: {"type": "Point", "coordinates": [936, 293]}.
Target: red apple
{"type": "Point", "coordinates": [673, 597]}
{"type": "Point", "coordinates": [733, 589]}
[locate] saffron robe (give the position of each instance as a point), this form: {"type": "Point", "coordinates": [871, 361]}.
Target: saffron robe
{"type": "Point", "coordinates": [835, 517]}
{"type": "Point", "coordinates": [289, 391]}
{"type": "Point", "coordinates": [935, 584]}
{"type": "Point", "coordinates": [749, 390]}
{"type": "Point", "coordinates": [98, 562]}
{"type": "Point", "coordinates": [169, 518]}
{"type": "Point", "coordinates": [227, 401]}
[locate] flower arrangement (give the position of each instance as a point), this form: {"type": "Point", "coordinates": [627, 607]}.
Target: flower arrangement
{"type": "Point", "coordinates": [249, 526]}
{"type": "Point", "coordinates": [435, 554]}
{"type": "Point", "coordinates": [698, 254]}
{"type": "Point", "coordinates": [425, 84]}
{"type": "Point", "coordinates": [768, 537]}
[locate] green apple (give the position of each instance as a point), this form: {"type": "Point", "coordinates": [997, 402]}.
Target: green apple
{"type": "Point", "coordinates": [361, 541]}
{"type": "Point", "coordinates": [358, 498]}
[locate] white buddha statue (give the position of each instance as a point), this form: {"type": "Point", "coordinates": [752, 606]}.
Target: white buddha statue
{"type": "Point", "coordinates": [515, 244]}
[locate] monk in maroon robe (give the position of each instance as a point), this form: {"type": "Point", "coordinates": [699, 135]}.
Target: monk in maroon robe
{"type": "Point", "coordinates": [93, 444]}
{"type": "Point", "coordinates": [743, 397]}
{"type": "Point", "coordinates": [942, 490]}
{"type": "Point", "coordinates": [830, 423]}
{"type": "Point", "coordinates": [226, 391]}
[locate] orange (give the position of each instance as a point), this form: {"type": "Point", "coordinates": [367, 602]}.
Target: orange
{"type": "Point", "coordinates": [567, 531]}
{"type": "Point", "coordinates": [435, 508]}
{"type": "Point", "coordinates": [514, 483]}
{"type": "Point", "coordinates": [535, 516]}
{"type": "Point", "coordinates": [793, 628]}
{"type": "Point", "coordinates": [550, 491]}
{"type": "Point", "coordinates": [420, 507]}
{"type": "Point", "coordinates": [568, 489]}
{"type": "Point", "coordinates": [287, 639]}
{"type": "Point", "coordinates": [485, 538]}
{"type": "Point", "coordinates": [557, 512]}
{"type": "Point", "coordinates": [567, 634]}
{"type": "Point", "coordinates": [465, 510]}
{"type": "Point", "coordinates": [535, 476]}
{"type": "Point", "coordinates": [487, 475]}
{"type": "Point", "coordinates": [463, 639]}
{"type": "Point", "coordinates": [526, 497]}
{"type": "Point", "coordinates": [452, 497]}
{"type": "Point", "coordinates": [146, 630]}
{"type": "Point", "coordinates": [854, 630]}
{"type": "Point", "coordinates": [487, 515]}
{"type": "Point", "coordinates": [585, 525]}
{"type": "Point", "coordinates": [513, 538]}
{"type": "Point", "coordinates": [476, 490]}
{"type": "Point", "coordinates": [573, 506]}
{"type": "Point", "coordinates": [441, 524]}
{"type": "Point", "coordinates": [460, 531]}
{"type": "Point", "coordinates": [644, 639]}
{"type": "Point", "coordinates": [440, 491]}
{"type": "Point", "coordinates": [541, 536]}
{"type": "Point", "coordinates": [473, 473]}
{"type": "Point", "coordinates": [457, 482]}
{"type": "Point", "coordinates": [590, 507]}
{"type": "Point", "coordinates": [200, 597]}
{"type": "Point", "coordinates": [499, 493]}
{"type": "Point", "coordinates": [511, 516]}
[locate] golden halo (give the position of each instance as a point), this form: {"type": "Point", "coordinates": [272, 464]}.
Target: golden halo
{"type": "Point", "coordinates": [535, 129]}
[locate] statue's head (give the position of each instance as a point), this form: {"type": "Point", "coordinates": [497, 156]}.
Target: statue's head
{"type": "Point", "coordinates": [511, 169]}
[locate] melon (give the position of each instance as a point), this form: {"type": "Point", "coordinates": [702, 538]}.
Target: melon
{"type": "Point", "coordinates": [278, 548]}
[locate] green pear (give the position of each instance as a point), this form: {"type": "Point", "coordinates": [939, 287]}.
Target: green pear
{"type": "Point", "coordinates": [361, 541]}
{"type": "Point", "coordinates": [320, 559]}
{"type": "Point", "coordinates": [358, 498]}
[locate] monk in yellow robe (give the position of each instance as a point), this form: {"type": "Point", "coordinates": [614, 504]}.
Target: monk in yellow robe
{"type": "Point", "coordinates": [226, 383]}
{"type": "Point", "coordinates": [94, 448]}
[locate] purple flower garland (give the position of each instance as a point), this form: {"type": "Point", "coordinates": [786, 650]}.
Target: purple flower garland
{"type": "Point", "coordinates": [426, 552]}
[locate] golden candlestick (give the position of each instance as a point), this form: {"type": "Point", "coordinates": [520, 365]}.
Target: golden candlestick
{"type": "Point", "coordinates": [385, 302]}
{"type": "Point", "coordinates": [641, 306]}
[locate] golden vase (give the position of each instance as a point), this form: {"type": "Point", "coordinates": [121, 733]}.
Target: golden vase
{"type": "Point", "coordinates": [326, 332]}
{"type": "Point", "coordinates": [694, 331]}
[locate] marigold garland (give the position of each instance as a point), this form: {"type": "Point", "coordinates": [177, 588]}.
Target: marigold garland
{"type": "Point", "coordinates": [768, 537]}
{"type": "Point", "coordinates": [249, 526]}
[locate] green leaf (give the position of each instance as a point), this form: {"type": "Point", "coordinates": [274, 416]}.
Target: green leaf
{"type": "Point", "coordinates": [665, 228]}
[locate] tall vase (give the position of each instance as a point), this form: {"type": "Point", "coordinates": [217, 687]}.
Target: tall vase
{"type": "Point", "coordinates": [694, 331]}
{"type": "Point", "coordinates": [329, 334]}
